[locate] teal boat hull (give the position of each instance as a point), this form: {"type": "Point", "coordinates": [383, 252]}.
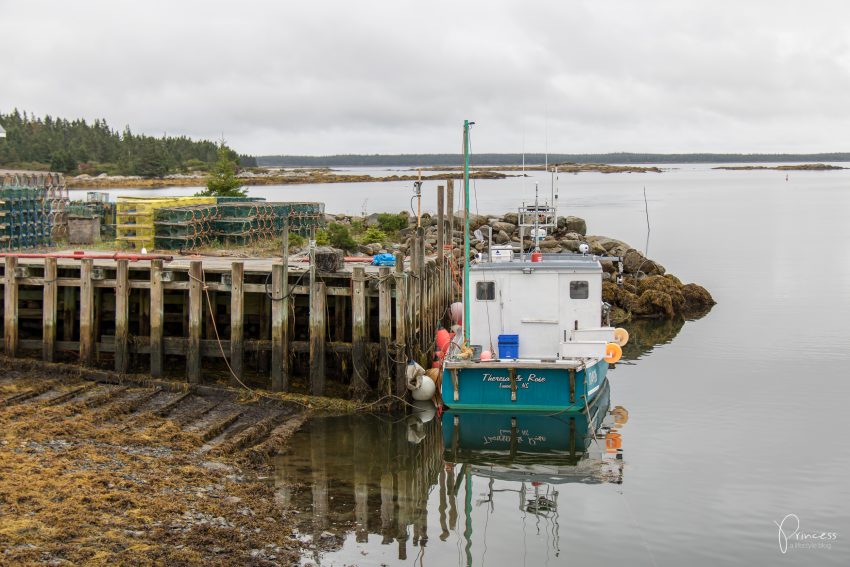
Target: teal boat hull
{"type": "Point", "coordinates": [548, 389]}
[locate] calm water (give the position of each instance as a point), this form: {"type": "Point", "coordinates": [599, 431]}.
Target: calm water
{"type": "Point", "coordinates": [734, 421]}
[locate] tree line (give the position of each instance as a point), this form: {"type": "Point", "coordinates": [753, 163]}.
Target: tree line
{"type": "Point", "coordinates": [430, 160]}
{"type": "Point", "coordinates": [77, 146]}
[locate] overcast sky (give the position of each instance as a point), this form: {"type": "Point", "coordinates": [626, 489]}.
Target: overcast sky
{"type": "Point", "coordinates": [320, 77]}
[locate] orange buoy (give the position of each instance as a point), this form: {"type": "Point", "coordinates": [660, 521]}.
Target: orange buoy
{"type": "Point", "coordinates": [613, 353]}
{"type": "Point", "coordinates": [613, 441]}
{"type": "Point", "coordinates": [621, 336]}
{"type": "Point", "coordinates": [443, 339]}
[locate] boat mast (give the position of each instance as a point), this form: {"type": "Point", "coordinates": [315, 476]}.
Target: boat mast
{"type": "Point", "coordinates": [466, 296]}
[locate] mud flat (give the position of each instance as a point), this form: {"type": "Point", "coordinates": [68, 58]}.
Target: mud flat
{"type": "Point", "coordinates": [794, 167]}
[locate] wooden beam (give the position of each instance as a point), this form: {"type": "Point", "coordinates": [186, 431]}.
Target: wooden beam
{"type": "Point", "coordinates": [385, 327]}
{"type": "Point", "coordinates": [87, 338]}
{"type": "Point", "coordinates": [122, 314]}
{"type": "Point", "coordinates": [400, 325]}
{"type": "Point", "coordinates": [193, 356]}
{"type": "Point", "coordinates": [237, 318]}
{"type": "Point", "coordinates": [157, 318]}
{"type": "Point", "coordinates": [317, 340]}
{"type": "Point", "coordinates": [360, 371]}
{"type": "Point", "coordinates": [48, 310]}
{"type": "Point", "coordinates": [10, 307]}
{"type": "Point", "coordinates": [285, 306]}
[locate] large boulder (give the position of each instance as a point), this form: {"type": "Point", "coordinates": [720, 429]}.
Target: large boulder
{"type": "Point", "coordinates": [512, 218]}
{"type": "Point", "coordinates": [573, 224]}
{"type": "Point", "coordinates": [612, 246]}
{"type": "Point", "coordinates": [570, 245]}
{"type": "Point", "coordinates": [634, 262]}
{"type": "Point", "coordinates": [501, 237]}
{"type": "Point", "coordinates": [697, 299]}
{"type": "Point", "coordinates": [505, 226]}
{"type": "Point", "coordinates": [477, 221]}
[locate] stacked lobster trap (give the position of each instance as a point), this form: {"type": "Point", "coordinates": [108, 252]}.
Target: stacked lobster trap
{"type": "Point", "coordinates": [232, 223]}
{"type": "Point", "coordinates": [32, 210]}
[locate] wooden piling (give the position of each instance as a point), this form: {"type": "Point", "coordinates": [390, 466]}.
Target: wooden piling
{"type": "Point", "coordinates": [86, 312]}
{"type": "Point", "coordinates": [317, 339]}
{"type": "Point", "coordinates": [157, 319]}
{"type": "Point", "coordinates": [69, 312]}
{"type": "Point", "coordinates": [359, 381]}
{"type": "Point", "coordinates": [193, 350]}
{"type": "Point", "coordinates": [285, 369]}
{"type": "Point", "coordinates": [450, 210]}
{"type": "Point", "coordinates": [401, 325]}
{"type": "Point", "coordinates": [441, 223]}
{"type": "Point", "coordinates": [277, 327]}
{"type": "Point", "coordinates": [385, 326]}
{"type": "Point", "coordinates": [10, 307]}
{"type": "Point", "coordinates": [237, 318]}
{"type": "Point", "coordinates": [48, 310]}
{"type": "Point", "coordinates": [122, 314]}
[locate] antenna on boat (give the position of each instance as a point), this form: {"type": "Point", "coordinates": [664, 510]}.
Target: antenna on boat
{"type": "Point", "coordinates": [466, 296]}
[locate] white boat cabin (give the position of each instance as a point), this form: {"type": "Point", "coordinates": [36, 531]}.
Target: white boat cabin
{"type": "Point", "coordinates": [553, 305]}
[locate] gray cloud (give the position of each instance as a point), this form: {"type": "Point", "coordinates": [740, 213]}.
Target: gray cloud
{"type": "Point", "coordinates": [394, 77]}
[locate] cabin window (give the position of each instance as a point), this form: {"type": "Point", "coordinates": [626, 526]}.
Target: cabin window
{"type": "Point", "coordinates": [485, 291]}
{"type": "Point", "coordinates": [579, 290]}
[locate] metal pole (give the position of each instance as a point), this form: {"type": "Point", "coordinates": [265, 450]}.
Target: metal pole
{"type": "Point", "coordinates": [466, 297]}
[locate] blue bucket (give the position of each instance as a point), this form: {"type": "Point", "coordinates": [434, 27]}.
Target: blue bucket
{"type": "Point", "coordinates": [508, 346]}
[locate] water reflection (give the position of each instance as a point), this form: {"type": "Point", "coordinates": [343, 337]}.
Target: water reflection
{"type": "Point", "coordinates": [647, 334]}
{"type": "Point", "coordinates": [375, 490]}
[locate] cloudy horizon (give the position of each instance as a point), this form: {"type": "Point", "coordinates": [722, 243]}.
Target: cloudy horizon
{"type": "Point", "coordinates": [356, 78]}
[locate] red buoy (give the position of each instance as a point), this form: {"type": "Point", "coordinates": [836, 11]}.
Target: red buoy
{"type": "Point", "coordinates": [536, 256]}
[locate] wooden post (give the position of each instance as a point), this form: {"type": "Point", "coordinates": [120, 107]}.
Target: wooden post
{"type": "Point", "coordinates": [10, 307]}
{"type": "Point", "coordinates": [400, 326]}
{"type": "Point", "coordinates": [385, 328]}
{"type": "Point", "coordinates": [450, 210]}
{"type": "Point", "coordinates": [48, 310]}
{"type": "Point", "coordinates": [441, 224]}
{"type": "Point", "coordinates": [284, 303]}
{"type": "Point", "coordinates": [193, 348]}
{"type": "Point", "coordinates": [122, 313]}
{"type": "Point", "coordinates": [157, 317]}
{"type": "Point", "coordinates": [237, 317]}
{"type": "Point", "coordinates": [317, 340]}
{"type": "Point", "coordinates": [69, 312]}
{"type": "Point", "coordinates": [359, 382]}
{"type": "Point", "coordinates": [86, 312]}
{"type": "Point", "coordinates": [277, 327]}
{"type": "Point", "coordinates": [265, 324]}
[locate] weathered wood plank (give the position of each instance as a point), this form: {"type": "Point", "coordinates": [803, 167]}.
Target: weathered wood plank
{"type": "Point", "coordinates": [157, 318]}
{"type": "Point", "coordinates": [237, 318]}
{"type": "Point", "coordinates": [48, 310]}
{"type": "Point", "coordinates": [385, 325]}
{"type": "Point", "coordinates": [193, 356]}
{"type": "Point", "coordinates": [359, 376]}
{"type": "Point", "coordinates": [10, 307]}
{"type": "Point", "coordinates": [317, 340]}
{"type": "Point", "coordinates": [87, 338]}
{"type": "Point", "coordinates": [401, 325]}
{"type": "Point", "coordinates": [122, 314]}
{"type": "Point", "coordinates": [277, 327]}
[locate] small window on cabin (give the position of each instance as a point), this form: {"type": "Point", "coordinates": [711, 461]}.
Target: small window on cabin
{"type": "Point", "coordinates": [485, 291]}
{"type": "Point", "coordinates": [579, 290]}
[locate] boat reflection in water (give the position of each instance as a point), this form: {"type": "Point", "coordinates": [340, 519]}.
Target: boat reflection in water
{"type": "Point", "coordinates": [369, 489]}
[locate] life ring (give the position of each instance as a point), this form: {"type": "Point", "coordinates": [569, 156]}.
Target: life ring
{"type": "Point", "coordinates": [621, 336]}
{"type": "Point", "coordinates": [613, 353]}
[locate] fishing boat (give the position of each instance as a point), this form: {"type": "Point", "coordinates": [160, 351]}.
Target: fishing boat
{"type": "Point", "coordinates": [533, 334]}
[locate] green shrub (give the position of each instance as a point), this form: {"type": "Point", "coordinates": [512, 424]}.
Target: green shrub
{"type": "Point", "coordinates": [357, 227]}
{"type": "Point", "coordinates": [322, 238]}
{"type": "Point", "coordinates": [373, 234]}
{"type": "Point", "coordinates": [391, 223]}
{"type": "Point", "coordinates": [340, 237]}
{"type": "Point", "coordinates": [296, 240]}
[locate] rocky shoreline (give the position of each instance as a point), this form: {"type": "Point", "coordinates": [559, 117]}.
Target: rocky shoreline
{"type": "Point", "coordinates": [272, 177]}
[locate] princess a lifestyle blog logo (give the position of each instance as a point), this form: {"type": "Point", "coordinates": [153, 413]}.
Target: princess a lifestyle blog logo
{"type": "Point", "coordinates": [791, 536]}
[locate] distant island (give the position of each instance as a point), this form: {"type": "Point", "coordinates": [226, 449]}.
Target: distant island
{"type": "Point", "coordinates": [561, 167]}
{"type": "Point", "coordinates": [795, 167]}
{"type": "Point", "coordinates": [513, 159]}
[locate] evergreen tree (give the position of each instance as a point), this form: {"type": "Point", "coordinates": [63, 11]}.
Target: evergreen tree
{"type": "Point", "coordinates": [222, 181]}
